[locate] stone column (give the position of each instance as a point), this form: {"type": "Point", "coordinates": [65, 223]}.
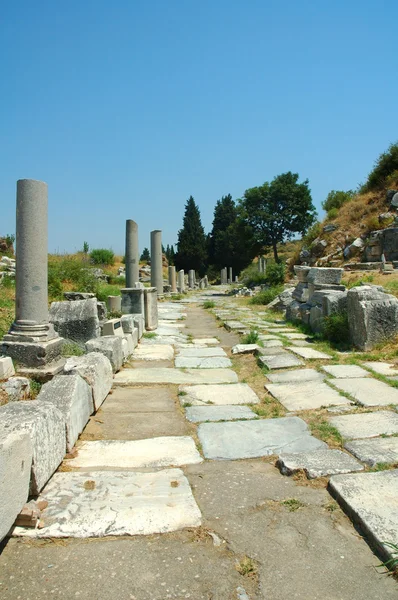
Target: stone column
{"type": "Point", "coordinates": [206, 280]}
{"type": "Point", "coordinates": [114, 303]}
{"type": "Point", "coordinates": [133, 301]}
{"type": "Point", "coordinates": [230, 274]}
{"type": "Point", "coordinates": [191, 279]}
{"type": "Point", "coordinates": [172, 278]}
{"type": "Point", "coordinates": [157, 261]}
{"type": "Point", "coordinates": [32, 340]}
{"type": "Point", "coordinates": [132, 254]}
{"type": "Point", "coordinates": [224, 276]}
{"type": "Point", "coordinates": [181, 281]}
{"type": "Point", "coordinates": [151, 309]}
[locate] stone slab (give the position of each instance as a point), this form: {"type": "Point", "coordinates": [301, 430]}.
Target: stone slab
{"type": "Point", "coordinates": [154, 352]}
{"type": "Point", "coordinates": [371, 500]}
{"type": "Point", "coordinates": [345, 371]}
{"type": "Point", "coordinates": [175, 376]}
{"type": "Point", "coordinates": [208, 341]}
{"type": "Point", "coordinates": [210, 362]}
{"type": "Point", "coordinates": [382, 368]}
{"type": "Point", "coordinates": [368, 391]}
{"type": "Point", "coordinates": [201, 352]}
{"type": "Point", "coordinates": [268, 336]}
{"type": "Point", "coordinates": [252, 439]}
{"type": "Point", "coordinates": [366, 425]}
{"type": "Point", "coordinates": [281, 361]}
{"type": "Point", "coordinates": [309, 353]}
{"type": "Point", "coordinates": [306, 395]}
{"type": "Point", "coordinates": [234, 325]}
{"type": "Point", "coordinates": [96, 370]}
{"type": "Point", "coordinates": [167, 331]}
{"type": "Point", "coordinates": [244, 348]}
{"type": "Point", "coordinates": [375, 450]}
{"type": "Point", "coordinates": [321, 463]}
{"type": "Point", "coordinates": [236, 393]}
{"type": "Point", "coordinates": [199, 414]}
{"type": "Point", "coordinates": [98, 504]}
{"type": "Point", "coordinates": [295, 336]}
{"type": "Point", "coordinates": [271, 350]}
{"type": "Point", "coordinates": [16, 455]}
{"type": "Point", "coordinates": [296, 376]}
{"type": "Point", "coordinates": [272, 343]}
{"type": "Point", "coordinates": [139, 454]}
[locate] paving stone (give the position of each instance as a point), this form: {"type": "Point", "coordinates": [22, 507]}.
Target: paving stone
{"type": "Point", "coordinates": [301, 343]}
{"type": "Point", "coordinates": [201, 352]}
{"type": "Point", "coordinates": [208, 341]}
{"type": "Point", "coordinates": [154, 352]}
{"type": "Point", "coordinates": [283, 330]}
{"type": "Point", "coordinates": [272, 343]}
{"type": "Point", "coordinates": [375, 450]}
{"type": "Point", "coordinates": [97, 504]}
{"type": "Point", "coordinates": [236, 393]}
{"type": "Point", "coordinates": [244, 348]}
{"type": "Point", "coordinates": [234, 325]}
{"type": "Point", "coordinates": [167, 331]}
{"type": "Point", "coordinates": [295, 336]}
{"type": "Point", "coordinates": [309, 353]}
{"type": "Point", "coordinates": [371, 500]}
{"type": "Point", "coordinates": [210, 362]}
{"type": "Point", "coordinates": [345, 371]}
{"type": "Point", "coordinates": [321, 463]}
{"type": "Point", "coordinates": [268, 336]}
{"type": "Point", "coordinates": [368, 391]}
{"type": "Point", "coordinates": [281, 361]}
{"type": "Point", "coordinates": [252, 439]}
{"type": "Point", "coordinates": [271, 351]}
{"type": "Point", "coordinates": [366, 425]}
{"type": "Point", "coordinates": [199, 414]}
{"type": "Point", "coordinates": [305, 395]}
{"type": "Point", "coordinates": [175, 376]}
{"type": "Point", "coordinates": [157, 452]}
{"type": "Point", "coordinates": [382, 368]}
{"type": "Point", "coordinates": [296, 376]}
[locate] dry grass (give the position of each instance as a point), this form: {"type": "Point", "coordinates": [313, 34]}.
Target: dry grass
{"type": "Point", "coordinates": [7, 308]}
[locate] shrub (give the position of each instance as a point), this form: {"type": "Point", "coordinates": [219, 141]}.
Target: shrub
{"type": "Point", "coordinates": [102, 256]}
{"type": "Point", "coordinates": [266, 296]}
{"type": "Point", "coordinates": [275, 274]}
{"type": "Point", "coordinates": [209, 304]}
{"type": "Point", "coordinates": [372, 223]}
{"type": "Point", "coordinates": [384, 167]}
{"type": "Point", "coordinates": [333, 213]}
{"type": "Point", "coordinates": [313, 232]}
{"type": "Point", "coordinates": [250, 338]}
{"type": "Point", "coordinates": [335, 328]}
{"type": "Point", "coordinates": [104, 290]}
{"type": "Point", "coordinates": [336, 199]}
{"type": "Point", "coordinates": [71, 271]}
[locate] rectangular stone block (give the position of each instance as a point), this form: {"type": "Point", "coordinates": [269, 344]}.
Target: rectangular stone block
{"type": "Point", "coordinates": [45, 425]}
{"type": "Point", "coordinates": [6, 367]}
{"type": "Point", "coordinates": [139, 322]}
{"type": "Point", "coordinates": [302, 273]}
{"type": "Point", "coordinates": [113, 327]}
{"type": "Point", "coordinates": [16, 454]}
{"type": "Point", "coordinates": [321, 463]}
{"type": "Point", "coordinates": [325, 275]}
{"type": "Point", "coordinates": [33, 354]}
{"type": "Point", "coordinates": [96, 370]}
{"type": "Point", "coordinates": [127, 323]}
{"type": "Point", "coordinates": [76, 320]}
{"type": "Point", "coordinates": [301, 292]}
{"type": "Point", "coordinates": [372, 316]}
{"type": "Point", "coordinates": [151, 309]}
{"type": "Point", "coordinates": [110, 346]}
{"type": "Point", "coordinates": [133, 301]}
{"type": "Point", "coordinates": [335, 302]}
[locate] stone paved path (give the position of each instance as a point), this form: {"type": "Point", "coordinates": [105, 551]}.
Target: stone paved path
{"type": "Point", "coordinates": [214, 528]}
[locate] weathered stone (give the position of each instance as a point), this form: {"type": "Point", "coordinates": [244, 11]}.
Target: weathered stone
{"type": "Point", "coordinates": [282, 301]}
{"type": "Point", "coordinates": [72, 396]}
{"type": "Point", "coordinates": [296, 376]}
{"type": "Point", "coordinates": [334, 302]}
{"type": "Point", "coordinates": [316, 319]}
{"type": "Point", "coordinates": [272, 343]}
{"type": "Point", "coordinates": [209, 362]}
{"type": "Point", "coordinates": [366, 425]}
{"type": "Point", "coordinates": [281, 361]}
{"type": "Point", "coordinates": [139, 322]}
{"type": "Point", "coordinates": [151, 308]}
{"type": "Point", "coordinates": [309, 353]}
{"type": "Point", "coordinates": [46, 427]}
{"type": "Point", "coordinates": [306, 395]}
{"type": "Point", "coordinates": [132, 254]}
{"type": "Point", "coordinates": [345, 371]}
{"type": "Point", "coordinates": [321, 463]}
{"type": "Point", "coordinates": [219, 395]}
{"type": "Point", "coordinates": [6, 367]}
{"type": "Point", "coordinates": [77, 320]}
{"type": "Point", "coordinates": [154, 352]}
{"type": "Point", "coordinates": [295, 336]}
{"type": "Point", "coordinates": [175, 376]}
{"type": "Point", "coordinates": [112, 327]}
{"type": "Point", "coordinates": [368, 392]}
{"type": "Point", "coordinates": [127, 322]}
{"type": "Point", "coordinates": [157, 262]}
{"type": "Point", "coordinates": [202, 352]}
{"type": "Point", "coordinates": [16, 389]}
{"type": "Point", "coordinates": [375, 450]}
{"type": "Point", "coordinates": [318, 247]}
{"type": "Point", "coordinates": [372, 316]}
{"type": "Point", "coordinates": [200, 414]}
{"type": "Point", "coordinates": [390, 243]}
{"type": "Point", "coordinates": [133, 301]}
{"type": "Point", "coordinates": [234, 326]}
{"type": "Point", "coordinates": [96, 370]}
{"type": "Point", "coordinates": [324, 275]}
{"type": "Point", "coordinates": [245, 348]}
{"type": "Point", "coordinates": [271, 351]}
{"type": "Point", "coordinates": [293, 311]}
{"type": "Point", "coordinates": [111, 347]}
{"type": "Point", "coordinates": [330, 227]}
{"type": "Point", "coordinates": [16, 455]}
{"type": "Point", "coordinates": [382, 368]}
{"type": "Point", "coordinates": [301, 272]}
{"type": "Point", "coordinates": [72, 296]}
{"type": "Point", "coordinates": [301, 292]}
{"type": "Point", "coordinates": [304, 312]}
{"type": "Point", "coordinates": [354, 249]}
{"type": "Point", "coordinates": [252, 439]}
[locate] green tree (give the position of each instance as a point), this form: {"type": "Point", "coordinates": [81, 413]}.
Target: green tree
{"type": "Point", "coordinates": [192, 251]}
{"type": "Point", "coordinates": [385, 166]}
{"type": "Point", "coordinates": [145, 256]}
{"type": "Point", "coordinates": [278, 210]}
{"type": "Point", "coordinates": [336, 199]}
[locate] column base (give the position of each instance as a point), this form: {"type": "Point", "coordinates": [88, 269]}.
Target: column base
{"type": "Point", "coordinates": [42, 374]}
{"type": "Point", "coordinates": [33, 354]}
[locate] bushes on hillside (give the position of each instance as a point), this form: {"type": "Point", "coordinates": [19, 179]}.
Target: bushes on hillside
{"type": "Point", "coordinates": [102, 256]}
{"type": "Point", "coordinates": [72, 271]}
{"type": "Point", "coordinates": [384, 168]}
{"type": "Point", "coordinates": [335, 200]}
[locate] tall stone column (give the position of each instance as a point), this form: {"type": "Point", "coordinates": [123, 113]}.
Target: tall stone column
{"type": "Point", "coordinates": [230, 274]}
{"type": "Point", "coordinates": [132, 254]}
{"type": "Point", "coordinates": [191, 279]}
{"type": "Point", "coordinates": [157, 261]}
{"type": "Point", "coordinates": [224, 276]}
{"type": "Point", "coordinates": [181, 281]}
{"type": "Point", "coordinates": [32, 340]}
{"type": "Point", "coordinates": [172, 278]}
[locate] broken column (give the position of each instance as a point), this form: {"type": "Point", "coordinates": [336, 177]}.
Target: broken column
{"type": "Point", "coordinates": [32, 340]}
{"type": "Point", "coordinates": [157, 261]}
{"type": "Point", "coordinates": [172, 279]}
{"type": "Point", "coordinates": [151, 309]}
{"type": "Point", "coordinates": [191, 279]}
{"type": "Point", "coordinates": [181, 281]}
{"type": "Point", "coordinates": [132, 254]}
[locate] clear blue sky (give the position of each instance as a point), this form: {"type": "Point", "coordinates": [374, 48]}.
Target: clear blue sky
{"type": "Point", "coordinates": [126, 108]}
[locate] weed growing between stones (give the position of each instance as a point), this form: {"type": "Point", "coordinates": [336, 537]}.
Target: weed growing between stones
{"type": "Point", "coordinates": [72, 349]}
{"type": "Point", "coordinates": [35, 388]}
{"type": "Point", "coordinates": [247, 567]}
{"type": "Point", "coordinates": [322, 429]}
{"type": "Point", "coordinates": [266, 296]}
{"type": "Point", "coordinates": [209, 304]}
{"type": "Point", "coordinates": [149, 335]}
{"type": "Point", "coordinates": [292, 504]}
{"type": "Point", "coordinates": [250, 338]}
{"type": "Point", "coordinates": [392, 563]}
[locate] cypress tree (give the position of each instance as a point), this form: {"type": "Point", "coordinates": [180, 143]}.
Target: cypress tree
{"type": "Point", "coordinates": [192, 252]}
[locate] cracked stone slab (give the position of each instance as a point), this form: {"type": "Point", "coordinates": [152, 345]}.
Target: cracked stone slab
{"type": "Point", "coordinates": [201, 352]}
{"type": "Point", "coordinates": [345, 371]}
{"type": "Point", "coordinates": [154, 352]}
{"type": "Point", "coordinates": [305, 395]}
{"type": "Point", "coordinates": [382, 368]}
{"type": "Point", "coordinates": [209, 362]}
{"type": "Point", "coordinates": [126, 454]}
{"type": "Point", "coordinates": [296, 376]}
{"type": "Point", "coordinates": [366, 425]}
{"type": "Point", "coordinates": [252, 439]}
{"type": "Point", "coordinates": [281, 361]}
{"type": "Point", "coordinates": [175, 376]}
{"type": "Point", "coordinates": [375, 450]}
{"type": "Point", "coordinates": [219, 395]}
{"type": "Point", "coordinates": [321, 463]}
{"type": "Point", "coordinates": [309, 353]}
{"type": "Point", "coordinates": [368, 391]}
{"type": "Point", "coordinates": [103, 503]}
{"type": "Point", "coordinates": [199, 414]}
{"type": "Point", "coordinates": [371, 500]}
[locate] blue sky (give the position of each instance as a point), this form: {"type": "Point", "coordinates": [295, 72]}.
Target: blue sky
{"type": "Point", "coordinates": [127, 108]}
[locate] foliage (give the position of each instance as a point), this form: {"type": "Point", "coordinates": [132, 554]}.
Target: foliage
{"type": "Point", "coordinates": [251, 276]}
{"type": "Point", "coordinates": [336, 199]}
{"type": "Point", "coordinates": [72, 271]}
{"type": "Point", "coordinates": [278, 210]}
{"type": "Point", "coordinates": [71, 349]}
{"type": "Point", "coordinates": [170, 254]}
{"type": "Point", "coordinates": [145, 256]}
{"type": "Point", "coordinates": [102, 256]}
{"type": "Point", "coordinates": [384, 167]}
{"type": "Point", "coordinates": [275, 273]}
{"type": "Point", "coordinates": [336, 329]}
{"type": "Point", "coordinates": [209, 304]}
{"type": "Point", "coordinates": [8, 282]}
{"type": "Point", "coordinates": [251, 337]}
{"type": "Point", "coordinates": [86, 247]}
{"type": "Point", "coordinates": [105, 289]}
{"type": "Point", "coordinates": [391, 563]}
{"type": "Point", "coordinates": [333, 213]}
{"type": "Point", "coordinates": [192, 251]}
{"type": "Point", "coordinates": [7, 309]}
{"type": "Point", "coordinates": [313, 232]}
{"type": "Point", "coordinates": [35, 387]}
{"type": "Point", "coordinates": [266, 296]}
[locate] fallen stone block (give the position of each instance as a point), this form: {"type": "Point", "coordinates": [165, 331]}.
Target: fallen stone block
{"type": "Point", "coordinates": [96, 370]}
{"type": "Point", "coordinates": [6, 367]}
{"type": "Point", "coordinates": [321, 463]}
{"type": "Point", "coordinates": [111, 347]}
{"type": "Point", "coordinates": [16, 456]}
{"type": "Point", "coordinates": [245, 348]}
{"type": "Point", "coordinates": [16, 389]}
{"type": "Point", "coordinates": [325, 275]}
{"type": "Point", "coordinates": [76, 320]}
{"type": "Point", "coordinates": [372, 316]}
{"type": "Point", "coordinates": [46, 426]}
{"type": "Point", "coordinates": [72, 395]}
